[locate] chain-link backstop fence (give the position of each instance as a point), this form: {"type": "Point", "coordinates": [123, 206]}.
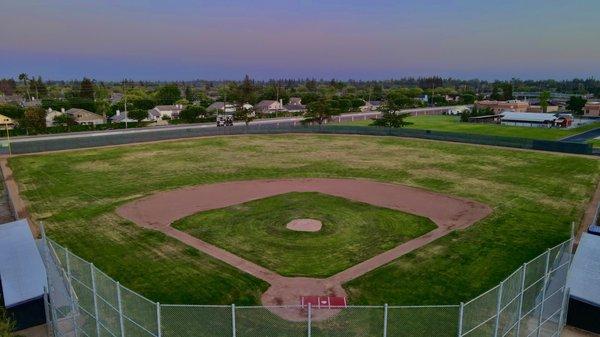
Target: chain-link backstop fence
{"type": "Point", "coordinates": [82, 301]}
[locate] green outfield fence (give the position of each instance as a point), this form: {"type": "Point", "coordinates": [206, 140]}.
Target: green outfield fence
{"type": "Point", "coordinates": [119, 137]}
{"type": "Point", "coordinates": [82, 301]}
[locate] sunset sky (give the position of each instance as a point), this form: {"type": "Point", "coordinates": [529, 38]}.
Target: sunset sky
{"type": "Point", "coordinates": [184, 39]}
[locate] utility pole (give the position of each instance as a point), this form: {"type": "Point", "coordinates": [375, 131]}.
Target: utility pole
{"type": "Point", "coordinates": [125, 100]}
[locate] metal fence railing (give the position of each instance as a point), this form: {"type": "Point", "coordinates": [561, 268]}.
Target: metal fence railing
{"type": "Point", "coordinates": [82, 301]}
{"type": "Point", "coordinates": [81, 140]}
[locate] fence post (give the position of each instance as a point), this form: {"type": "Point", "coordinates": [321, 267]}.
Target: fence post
{"type": "Point", "coordinates": [120, 307]}
{"type": "Point", "coordinates": [96, 317]}
{"type": "Point", "coordinates": [385, 319]}
{"type": "Point", "coordinates": [158, 324]}
{"type": "Point", "coordinates": [47, 311]}
{"type": "Point", "coordinates": [71, 291]}
{"type": "Point", "coordinates": [461, 313]}
{"type": "Point", "coordinates": [498, 307]}
{"type": "Point", "coordinates": [233, 320]}
{"type": "Point", "coordinates": [565, 308]}
{"type": "Point", "coordinates": [521, 294]}
{"type": "Point", "coordinates": [309, 319]}
{"type": "Point", "coordinates": [539, 325]}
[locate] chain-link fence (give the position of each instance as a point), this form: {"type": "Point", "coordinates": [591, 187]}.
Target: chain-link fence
{"type": "Point", "coordinates": [82, 301]}
{"type": "Point", "coordinates": [82, 140]}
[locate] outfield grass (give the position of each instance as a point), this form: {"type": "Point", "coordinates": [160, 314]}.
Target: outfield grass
{"type": "Point", "coordinates": [352, 232]}
{"type": "Point", "coordinates": [535, 197]}
{"type": "Point", "coordinates": [595, 143]}
{"type": "Point", "coordinates": [453, 124]}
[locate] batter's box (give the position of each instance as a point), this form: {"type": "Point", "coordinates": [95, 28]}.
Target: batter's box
{"type": "Point", "coordinates": [323, 302]}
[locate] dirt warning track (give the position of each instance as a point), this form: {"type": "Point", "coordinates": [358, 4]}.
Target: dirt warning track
{"type": "Point", "coordinates": [160, 210]}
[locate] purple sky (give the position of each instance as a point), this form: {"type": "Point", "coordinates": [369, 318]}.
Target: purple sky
{"type": "Point", "coordinates": [185, 39]}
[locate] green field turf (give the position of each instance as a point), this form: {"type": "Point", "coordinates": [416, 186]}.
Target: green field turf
{"type": "Point", "coordinates": [535, 197]}
{"type": "Point", "coordinates": [595, 143]}
{"type": "Point", "coordinates": [352, 232]}
{"type": "Point", "coordinates": [453, 124]}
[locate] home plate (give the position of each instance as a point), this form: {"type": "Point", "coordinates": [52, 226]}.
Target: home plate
{"type": "Point", "coordinates": [323, 302]}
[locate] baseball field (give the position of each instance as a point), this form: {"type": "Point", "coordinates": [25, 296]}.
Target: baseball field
{"type": "Point", "coordinates": [180, 250]}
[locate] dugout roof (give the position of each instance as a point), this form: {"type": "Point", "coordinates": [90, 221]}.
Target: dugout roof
{"type": "Point", "coordinates": [22, 272]}
{"type": "Point", "coordinates": [584, 277]}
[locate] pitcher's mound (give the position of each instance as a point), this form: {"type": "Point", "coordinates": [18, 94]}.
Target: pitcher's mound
{"type": "Point", "coordinates": [304, 225]}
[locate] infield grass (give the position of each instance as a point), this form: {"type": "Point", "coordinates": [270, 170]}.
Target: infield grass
{"type": "Point", "coordinates": [453, 124]}
{"type": "Point", "coordinates": [351, 232]}
{"type": "Point", "coordinates": [535, 197]}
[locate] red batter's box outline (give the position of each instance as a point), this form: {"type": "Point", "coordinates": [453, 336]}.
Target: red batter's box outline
{"type": "Point", "coordinates": [323, 302]}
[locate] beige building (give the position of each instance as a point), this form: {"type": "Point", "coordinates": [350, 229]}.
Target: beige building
{"type": "Point", "coordinates": [84, 117]}
{"type": "Point", "coordinates": [592, 109]}
{"type": "Point", "coordinates": [6, 123]}
{"type": "Point", "coordinates": [500, 106]}
{"type": "Point", "coordinates": [537, 108]}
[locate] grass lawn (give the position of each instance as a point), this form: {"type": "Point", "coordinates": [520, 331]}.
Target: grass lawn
{"type": "Point", "coordinates": [453, 124]}
{"type": "Point", "coordinates": [352, 232]}
{"type": "Point", "coordinates": [595, 142]}
{"type": "Point", "coordinates": [535, 197]}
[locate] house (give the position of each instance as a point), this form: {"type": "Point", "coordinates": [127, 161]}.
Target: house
{"type": "Point", "coordinates": [592, 109]}
{"type": "Point", "coordinates": [84, 117]}
{"type": "Point", "coordinates": [6, 123]}
{"type": "Point", "coordinates": [457, 110]}
{"type": "Point", "coordinates": [51, 114]}
{"type": "Point", "coordinates": [531, 119]}
{"type": "Point", "coordinates": [165, 112]}
{"type": "Point", "coordinates": [295, 105]}
{"type": "Point", "coordinates": [538, 108]}
{"type": "Point", "coordinates": [11, 99]}
{"type": "Point", "coordinates": [222, 107]}
{"type": "Point", "coordinates": [122, 117]}
{"type": "Point", "coordinates": [23, 275]}
{"type": "Point", "coordinates": [268, 106]}
{"type": "Point", "coordinates": [370, 106]}
{"type": "Point", "coordinates": [247, 106]}
{"type": "Point", "coordinates": [116, 97]}
{"type": "Point", "coordinates": [502, 106]}
{"type": "Point", "coordinates": [32, 103]}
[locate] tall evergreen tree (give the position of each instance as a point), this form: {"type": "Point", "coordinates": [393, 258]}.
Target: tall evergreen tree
{"type": "Point", "coordinates": [86, 88]}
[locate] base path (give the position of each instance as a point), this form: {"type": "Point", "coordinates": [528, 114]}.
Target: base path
{"type": "Point", "coordinates": [160, 210]}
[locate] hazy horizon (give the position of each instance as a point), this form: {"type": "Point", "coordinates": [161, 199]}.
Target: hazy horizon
{"type": "Point", "coordinates": [361, 40]}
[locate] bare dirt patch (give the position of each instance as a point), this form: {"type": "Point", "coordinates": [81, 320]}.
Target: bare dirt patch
{"type": "Point", "coordinates": [304, 225]}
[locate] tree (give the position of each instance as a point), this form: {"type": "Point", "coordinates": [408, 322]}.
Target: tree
{"type": "Point", "coordinates": [392, 120]}
{"type": "Point", "coordinates": [8, 86]}
{"type": "Point", "coordinates": [65, 120]}
{"type": "Point", "coordinates": [168, 94]}
{"type": "Point", "coordinates": [320, 111]}
{"type": "Point", "coordinates": [246, 115]}
{"type": "Point", "coordinates": [576, 104]}
{"type": "Point", "coordinates": [191, 113]}
{"type": "Point", "coordinates": [42, 91]}
{"type": "Point", "coordinates": [495, 94]}
{"type": "Point", "coordinates": [142, 103]}
{"type": "Point", "coordinates": [246, 92]}
{"type": "Point", "coordinates": [86, 89]}
{"type": "Point", "coordinates": [544, 100]}
{"type": "Point", "coordinates": [12, 111]}
{"type": "Point", "coordinates": [507, 91]}
{"type": "Point", "coordinates": [34, 120]}
{"type": "Point", "coordinates": [391, 117]}
{"type": "Point", "coordinates": [24, 77]}
{"type": "Point", "coordinates": [189, 94]}
{"type": "Point", "coordinates": [138, 114]}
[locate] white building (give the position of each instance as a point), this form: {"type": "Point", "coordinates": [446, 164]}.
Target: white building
{"type": "Point", "coordinates": [165, 111]}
